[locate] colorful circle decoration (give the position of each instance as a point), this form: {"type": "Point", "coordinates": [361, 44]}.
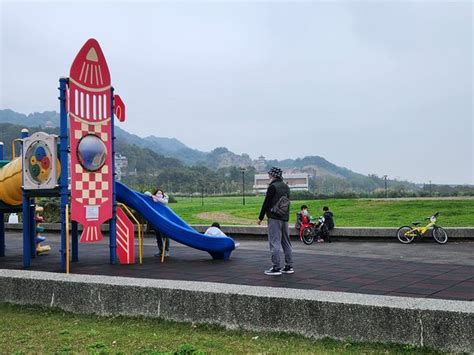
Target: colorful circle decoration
{"type": "Point", "coordinates": [91, 152]}
{"type": "Point", "coordinates": [38, 158]}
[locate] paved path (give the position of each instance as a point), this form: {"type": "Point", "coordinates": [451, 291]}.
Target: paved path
{"type": "Point", "coordinates": [422, 269]}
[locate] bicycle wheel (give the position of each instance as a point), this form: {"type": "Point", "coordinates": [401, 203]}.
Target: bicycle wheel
{"type": "Point", "coordinates": [308, 236]}
{"type": "Point", "coordinates": [440, 235]}
{"type": "Point", "coordinates": [405, 234]}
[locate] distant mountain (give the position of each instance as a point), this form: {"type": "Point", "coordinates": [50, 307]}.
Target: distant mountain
{"type": "Point", "coordinates": [322, 171]}
{"type": "Point", "coordinates": [327, 176]}
{"type": "Point", "coordinates": [147, 169]}
{"type": "Point", "coordinates": [222, 158]}
{"type": "Point", "coordinates": [170, 147]}
{"type": "Point", "coordinates": [138, 158]}
{"type": "Point", "coordinates": [170, 144]}
{"type": "Point", "coordinates": [321, 166]}
{"type": "Point", "coordinates": [44, 119]}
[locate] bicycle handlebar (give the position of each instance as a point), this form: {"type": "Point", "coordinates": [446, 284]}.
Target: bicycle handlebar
{"type": "Point", "coordinates": [435, 216]}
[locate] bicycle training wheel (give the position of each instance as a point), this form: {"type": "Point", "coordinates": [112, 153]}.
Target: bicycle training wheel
{"type": "Point", "coordinates": [440, 235]}
{"type": "Point", "coordinates": [404, 236]}
{"type": "Point", "coordinates": [307, 236]}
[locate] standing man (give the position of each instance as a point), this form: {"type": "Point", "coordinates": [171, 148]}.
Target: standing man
{"type": "Point", "coordinates": [277, 208]}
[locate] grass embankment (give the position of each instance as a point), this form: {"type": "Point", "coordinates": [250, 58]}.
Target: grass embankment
{"type": "Point", "coordinates": [348, 213]}
{"type": "Point", "coordinates": [36, 330]}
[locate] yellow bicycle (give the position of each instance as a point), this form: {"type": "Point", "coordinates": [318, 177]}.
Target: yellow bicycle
{"type": "Point", "coordinates": [407, 234]}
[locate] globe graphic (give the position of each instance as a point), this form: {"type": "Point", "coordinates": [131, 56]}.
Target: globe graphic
{"type": "Point", "coordinates": [91, 152]}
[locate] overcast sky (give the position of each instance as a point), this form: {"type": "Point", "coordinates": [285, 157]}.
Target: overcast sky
{"type": "Point", "coordinates": [377, 87]}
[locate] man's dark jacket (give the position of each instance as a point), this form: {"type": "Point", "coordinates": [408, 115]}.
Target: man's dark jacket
{"type": "Point", "coordinates": [329, 219]}
{"type": "Point", "coordinates": [275, 191]}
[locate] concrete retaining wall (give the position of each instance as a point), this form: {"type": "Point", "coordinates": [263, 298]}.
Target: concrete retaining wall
{"type": "Point", "coordinates": [261, 232]}
{"type": "Point", "coordinates": [341, 232]}
{"type": "Point", "coordinates": [441, 324]}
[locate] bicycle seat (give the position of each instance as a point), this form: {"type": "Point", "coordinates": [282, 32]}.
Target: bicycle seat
{"type": "Point", "coordinates": [415, 223]}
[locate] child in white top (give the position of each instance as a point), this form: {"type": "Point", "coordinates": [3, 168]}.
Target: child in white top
{"type": "Point", "coordinates": [160, 197]}
{"type": "Point", "coordinates": [215, 230]}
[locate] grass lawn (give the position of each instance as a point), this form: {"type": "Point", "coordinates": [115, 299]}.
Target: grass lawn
{"type": "Point", "coordinates": [28, 330]}
{"type": "Point", "coordinates": [348, 213]}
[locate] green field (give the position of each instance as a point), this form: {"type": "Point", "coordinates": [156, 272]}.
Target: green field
{"type": "Point", "coordinates": [348, 213]}
{"type": "Point", "coordinates": [28, 330]}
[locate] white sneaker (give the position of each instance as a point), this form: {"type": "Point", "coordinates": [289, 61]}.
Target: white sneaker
{"type": "Point", "coordinates": [272, 272]}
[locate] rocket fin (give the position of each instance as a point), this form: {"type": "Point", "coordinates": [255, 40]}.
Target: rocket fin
{"type": "Point", "coordinates": [91, 233]}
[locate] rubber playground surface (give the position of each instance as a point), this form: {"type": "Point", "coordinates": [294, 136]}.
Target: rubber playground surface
{"type": "Point", "coordinates": [423, 269]}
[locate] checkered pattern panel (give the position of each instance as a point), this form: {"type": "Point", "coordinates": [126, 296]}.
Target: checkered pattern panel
{"type": "Point", "coordinates": [93, 186]}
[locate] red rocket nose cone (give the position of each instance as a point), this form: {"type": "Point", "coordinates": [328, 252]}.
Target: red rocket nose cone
{"type": "Point", "coordinates": [90, 67]}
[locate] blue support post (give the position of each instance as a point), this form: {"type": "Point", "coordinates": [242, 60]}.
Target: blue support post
{"type": "Point", "coordinates": [74, 242]}
{"type": "Point", "coordinates": [2, 234]}
{"type": "Point", "coordinates": [26, 218]}
{"type": "Point", "coordinates": [2, 217]}
{"type": "Point", "coordinates": [113, 221]}
{"type": "Point", "coordinates": [26, 230]}
{"type": "Point", "coordinates": [32, 228]}
{"type": "Point", "coordinates": [63, 157]}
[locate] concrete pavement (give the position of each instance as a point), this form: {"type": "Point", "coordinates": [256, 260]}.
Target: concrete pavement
{"type": "Point", "coordinates": [423, 270]}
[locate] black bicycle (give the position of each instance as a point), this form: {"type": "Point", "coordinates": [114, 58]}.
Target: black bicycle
{"type": "Point", "coordinates": [318, 231]}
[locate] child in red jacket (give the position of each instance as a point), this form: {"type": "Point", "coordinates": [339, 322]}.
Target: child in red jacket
{"type": "Point", "coordinates": [302, 218]}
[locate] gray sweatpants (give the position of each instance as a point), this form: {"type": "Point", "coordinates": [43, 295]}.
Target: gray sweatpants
{"type": "Point", "coordinates": [278, 234]}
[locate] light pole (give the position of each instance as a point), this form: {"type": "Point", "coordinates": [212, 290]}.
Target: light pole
{"type": "Point", "coordinates": [430, 189]}
{"type": "Point", "coordinates": [385, 180]}
{"type": "Point", "coordinates": [243, 185]}
{"type": "Point", "coordinates": [202, 195]}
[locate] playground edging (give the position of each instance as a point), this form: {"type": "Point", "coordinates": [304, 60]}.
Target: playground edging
{"type": "Point", "coordinates": [439, 324]}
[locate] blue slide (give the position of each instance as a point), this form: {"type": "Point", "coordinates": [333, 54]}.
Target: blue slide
{"type": "Point", "coordinates": [163, 218]}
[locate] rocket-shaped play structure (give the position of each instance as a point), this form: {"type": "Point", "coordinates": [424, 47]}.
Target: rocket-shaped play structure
{"type": "Point", "coordinates": [90, 131]}
{"type": "Point", "coordinates": [88, 107]}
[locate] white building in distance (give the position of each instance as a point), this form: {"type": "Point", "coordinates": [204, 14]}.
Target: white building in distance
{"type": "Point", "coordinates": [295, 181]}
{"type": "Point", "coordinates": [121, 163]}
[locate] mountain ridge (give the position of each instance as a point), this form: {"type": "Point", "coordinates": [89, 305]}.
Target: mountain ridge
{"type": "Point", "coordinates": [218, 158]}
